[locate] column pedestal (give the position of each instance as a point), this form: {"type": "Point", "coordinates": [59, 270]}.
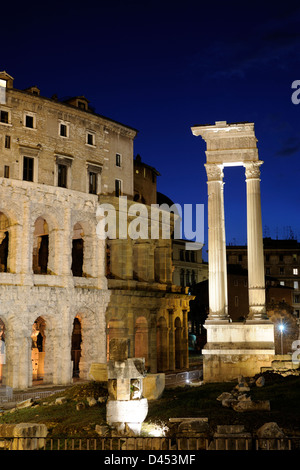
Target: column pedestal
{"type": "Point", "coordinates": [237, 349]}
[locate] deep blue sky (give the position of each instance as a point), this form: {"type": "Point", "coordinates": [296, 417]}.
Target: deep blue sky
{"type": "Point", "coordinates": [162, 67]}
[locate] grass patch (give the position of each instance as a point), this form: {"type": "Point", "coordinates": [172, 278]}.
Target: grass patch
{"type": "Point", "coordinates": [182, 402]}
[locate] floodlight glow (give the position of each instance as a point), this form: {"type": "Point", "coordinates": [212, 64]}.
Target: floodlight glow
{"type": "Point", "coordinates": [281, 327]}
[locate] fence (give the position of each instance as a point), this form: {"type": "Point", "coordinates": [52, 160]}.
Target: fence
{"type": "Point", "coordinates": [17, 397]}
{"type": "Point", "coordinates": [150, 443]}
{"type": "Point", "coordinates": [172, 380]}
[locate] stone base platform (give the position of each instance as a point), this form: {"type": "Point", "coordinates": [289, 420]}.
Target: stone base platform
{"type": "Point", "coordinates": [234, 349]}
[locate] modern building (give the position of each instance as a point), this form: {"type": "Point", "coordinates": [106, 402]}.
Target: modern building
{"type": "Point", "coordinates": [282, 262]}
{"type": "Point", "coordinates": [189, 267]}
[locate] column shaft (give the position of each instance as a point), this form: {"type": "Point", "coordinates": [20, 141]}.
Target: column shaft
{"type": "Point", "coordinates": [216, 244]}
{"type": "Point", "coordinates": [256, 274]}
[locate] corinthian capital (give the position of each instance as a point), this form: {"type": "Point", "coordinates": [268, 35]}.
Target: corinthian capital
{"type": "Point", "coordinates": [252, 169]}
{"type": "Point", "coordinates": [214, 172]}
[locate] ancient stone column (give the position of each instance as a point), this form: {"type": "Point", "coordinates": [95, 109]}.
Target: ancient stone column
{"type": "Point", "coordinates": [256, 272]}
{"type": "Point", "coordinates": [216, 245]}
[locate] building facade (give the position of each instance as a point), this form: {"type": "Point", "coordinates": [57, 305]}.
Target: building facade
{"type": "Point", "coordinates": [282, 262]}
{"type": "Point", "coordinates": [189, 268]}
{"type": "Point", "coordinates": [59, 160]}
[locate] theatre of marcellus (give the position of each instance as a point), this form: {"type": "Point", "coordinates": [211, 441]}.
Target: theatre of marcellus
{"type": "Point", "coordinates": [63, 290]}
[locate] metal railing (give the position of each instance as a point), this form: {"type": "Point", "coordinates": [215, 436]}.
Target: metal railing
{"type": "Point", "coordinates": [149, 443]}
{"type": "Point", "coordinates": [172, 380]}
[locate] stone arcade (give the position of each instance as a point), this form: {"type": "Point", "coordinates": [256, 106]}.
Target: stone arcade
{"type": "Point", "coordinates": [234, 349]}
{"type": "Point", "coordinates": [58, 305]}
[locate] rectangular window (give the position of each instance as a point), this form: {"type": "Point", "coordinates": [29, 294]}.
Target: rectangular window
{"type": "Point", "coordinates": [118, 188]}
{"type": "Point", "coordinates": [6, 171]}
{"type": "Point", "coordinates": [296, 299]}
{"type": "Point", "coordinates": [4, 116]}
{"type": "Point", "coordinates": [29, 121]}
{"type": "Point", "coordinates": [92, 182]}
{"type": "Point", "coordinates": [28, 169]}
{"type": "Point", "coordinates": [63, 130]}
{"type": "Point", "coordinates": [296, 285]}
{"type": "Point", "coordinates": [7, 141]}
{"type": "Point", "coordinates": [118, 159]}
{"type": "Point", "coordinates": [236, 301]}
{"type": "Point", "coordinates": [90, 139]}
{"type": "Point", "coordinates": [62, 176]}
{"type": "Point", "coordinates": [281, 270]}
{"type": "Point", "coordinates": [295, 271]}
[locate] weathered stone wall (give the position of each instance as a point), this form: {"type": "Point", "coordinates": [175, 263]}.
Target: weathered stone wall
{"type": "Point", "coordinates": [57, 297]}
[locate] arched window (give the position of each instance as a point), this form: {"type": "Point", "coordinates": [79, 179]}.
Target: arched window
{"type": "Point", "coordinates": [40, 254]}
{"type": "Point", "coordinates": [77, 250]}
{"type": "Point", "coordinates": [182, 277]}
{"type": "Point", "coordinates": [4, 242]}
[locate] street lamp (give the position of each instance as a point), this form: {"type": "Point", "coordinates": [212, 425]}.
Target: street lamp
{"type": "Point", "coordinates": [281, 329]}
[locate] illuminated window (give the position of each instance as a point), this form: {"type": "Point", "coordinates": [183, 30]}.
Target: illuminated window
{"type": "Point", "coordinates": [282, 283]}
{"type": "Point", "coordinates": [295, 271]}
{"type": "Point", "coordinates": [296, 285]}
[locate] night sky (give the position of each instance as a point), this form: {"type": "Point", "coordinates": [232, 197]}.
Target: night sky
{"type": "Point", "coordinates": [162, 67]}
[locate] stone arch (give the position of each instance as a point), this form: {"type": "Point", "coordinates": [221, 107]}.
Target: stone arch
{"type": "Point", "coordinates": [45, 231]}
{"type": "Point", "coordinates": [40, 252]}
{"type": "Point", "coordinates": [84, 242]}
{"type": "Point", "coordinates": [141, 339]}
{"type": "Point", "coordinates": [178, 343]}
{"type": "Point", "coordinates": [2, 348]}
{"type": "Point", "coordinates": [77, 250]}
{"type": "Point", "coordinates": [4, 242]}
{"type": "Point", "coordinates": [162, 344]}
{"type": "Point", "coordinates": [76, 342]}
{"type": "Point", "coordinates": [38, 337]}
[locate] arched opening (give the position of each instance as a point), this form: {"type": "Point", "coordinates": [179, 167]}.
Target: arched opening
{"type": "Point", "coordinates": [76, 346]}
{"type": "Point", "coordinates": [141, 339]}
{"type": "Point", "coordinates": [40, 254]}
{"type": "Point", "coordinates": [4, 242]}
{"type": "Point", "coordinates": [178, 334]}
{"type": "Point", "coordinates": [38, 349]}
{"type": "Point", "coordinates": [2, 349]}
{"type": "Point", "coordinates": [162, 344]}
{"type": "Point", "coordinates": [77, 250]}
